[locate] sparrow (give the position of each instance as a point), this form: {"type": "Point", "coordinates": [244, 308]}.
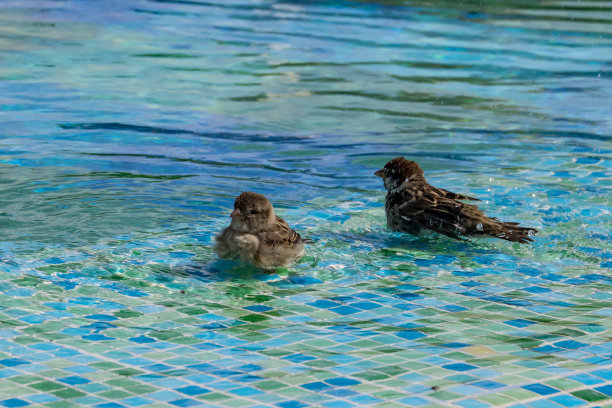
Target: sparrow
{"type": "Point", "coordinates": [412, 205]}
{"type": "Point", "coordinates": [257, 236]}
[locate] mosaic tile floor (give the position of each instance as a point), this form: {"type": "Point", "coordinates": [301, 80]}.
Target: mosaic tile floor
{"type": "Point", "coordinates": [156, 323]}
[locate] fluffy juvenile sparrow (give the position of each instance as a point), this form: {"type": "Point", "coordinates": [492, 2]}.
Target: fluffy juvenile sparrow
{"type": "Point", "coordinates": [412, 205]}
{"type": "Point", "coordinates": [256, 235]}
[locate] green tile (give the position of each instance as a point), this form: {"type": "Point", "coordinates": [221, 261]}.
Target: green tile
{"type": "Point", "coordinates": [114, 394]}
{"type": "Point", "coordinates": [444, 395]}
{"type": "Point", "coordinates": [68, 393]}
{"type": "Point", "coordinates": [268, 385]}
{"type": "Point", "coordinates": [563, 384]}
{"type": "Point", "coordinates": [213, 397]}
{"type": "Point", "coordinates": [518, 394]}
{"type": "Point", "coordinates": [389, 394]}
{"type": "Point", "coordinates": [105, 365]}
{"type": "Point", "coordinates": [62, 404]}
{"type": "Point", "coordinates": [126, 314]}
{"type": "Point", "coordinates": [127, 371]}
{"type": "Point", "coordinates": [26, 379]}
{"type": "Point", "coordinates": [590, 395]}
{"type": "Point", "coordinates": [371, 375]}
{"type": "Point", "coordinates": [496, 399]}
{"type": "Point", "coordinates": [47, 386]}
{"type": "Point", "coordinates": [392, 370]}
{"type": "Point", "coordinates": [320, 363]}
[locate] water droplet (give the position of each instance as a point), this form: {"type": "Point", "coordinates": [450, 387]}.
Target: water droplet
{"type": "Point", "coordinates": [491, 178]}
{"type": "Point", "coordinates": [479, 227]}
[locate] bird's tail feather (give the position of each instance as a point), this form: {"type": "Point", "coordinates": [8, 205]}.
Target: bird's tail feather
{"type": "Point", "coordinates": [510, 231]}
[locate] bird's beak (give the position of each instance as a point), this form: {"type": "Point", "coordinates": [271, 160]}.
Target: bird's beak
{"type": "Point", "coordinates": [236, 213]}
{"type": "Point", "coordinates": [381, 173]}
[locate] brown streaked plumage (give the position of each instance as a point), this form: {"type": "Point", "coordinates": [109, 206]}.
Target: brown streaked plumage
{"type": "Point", "coordinates": [257, 236]}
{"type": "Point", "coordinates": [412, 204]}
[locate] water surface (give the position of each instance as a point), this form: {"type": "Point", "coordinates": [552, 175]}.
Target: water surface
{"type": "Point", "coordinates": [128, 127]}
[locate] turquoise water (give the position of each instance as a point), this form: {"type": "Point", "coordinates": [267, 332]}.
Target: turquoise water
{"type": "Point", "coordinates": [128, 127]}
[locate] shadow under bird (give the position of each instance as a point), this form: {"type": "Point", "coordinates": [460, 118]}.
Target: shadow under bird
{"type": "Point", "coordinates": [257, 236]}
{"type": "Point", "coordinates": [413, 205]}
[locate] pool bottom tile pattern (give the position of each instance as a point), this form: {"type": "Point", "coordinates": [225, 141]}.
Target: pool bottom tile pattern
{"type": "Point", "coordinates": [92, 331]}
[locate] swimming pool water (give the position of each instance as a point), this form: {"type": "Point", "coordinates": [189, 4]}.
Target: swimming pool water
{"type": "Point", "coordinates": [128, 127]}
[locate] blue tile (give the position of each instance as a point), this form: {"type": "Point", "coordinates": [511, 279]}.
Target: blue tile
{"type": "Point", "coordinates": [586, 379]}
{"type": "Point", "coordinates": [158, 368]}
{"type": "Point", "coordinates": [249, 368]}
{"type": "Point", "coordinates": [472, 403]}
{"type": "Point", "coordinates": [143, 339]}
{"type": "Point", "coordinates": [73, 380]}
{"type": "Point", "coordinates": [291, 404]}
{"type": "Point", "coordinates": [366, 305]}
{"type": "Point", "coordinates": [605, 374]}
{"type": "Point", "coordinates": [186, 402]}
{"type": "Point", "coordinates": [606, 389]}
{"type": "Point", "coordinates": [14, 403]}
{"type": "Point", "coordinates": [455, 345]}
{"type": "Point", "coordinates": [414, 401]}
{"type": "Point", "coordinates": [342, 381]}
{"type": "Point", "coordinates": [459, 367]}
{"type": "Point", "coordinates": [246, 378]}
{"type": "Point", "coordinates": [193, 390]}
{"type": "Point", "coordinates": [410, 334]}
{"type": "Point", "coordinates": [547, 349]}
{"type": "Point", "coordinates": [200, 378]}
{"type": "Point", "coordinates": [169, 382]}
{"type": "Point", "coordinates": [110, 405]}
{"type": "Point", "coordinates": [164, 395]}
{"type": "Point", "coordinates": [488, 384]}
{"type": "Point", "coordinates": [570, 344]}
{"type": "Point", "coordinates": [304, 280]}
{"type": "Point", "coordinates": [13, 362]}
{"type": "Point", "coordinates": [540, 389]}
{"type": "Point", "coordinates": [97, 337]}
{"type": "Point", "coordinates": [519, 322]}
{"type": "Point", "coordinates": [344, 310]}
{"type": "Point", "coordinates": [338, 404]}
{"type": "Point", "coordinates": [42, 398]}
{"type": "Point", "coordinates": [568, 400]}
{"type": "Point", "coordinates": [299, 358]}
{"type": "Point", "coordinates": [246, 391]}
{"type": "Point", "coordinates": [102, 317]}
{"type": "Point", "coordinates": [258, 308]}
{"type": "Point", "coordinates": [341, 392]}
{"type": "Point", "coordinates": [316, 386]}
{"type": "Point", "coordinates": [366, 400]}
{"type": "Point", "coordinates": [324, 304]}
{"type": "Point", "coordinates": [453, 308]}
{"type": "Point", "coordinates": [136, 401]}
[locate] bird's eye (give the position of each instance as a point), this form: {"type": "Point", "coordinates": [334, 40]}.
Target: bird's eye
{"type": "Point", "coordinates": [253, 211]}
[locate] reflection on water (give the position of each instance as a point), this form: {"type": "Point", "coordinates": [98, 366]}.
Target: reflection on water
{"type": "Point", "coordinates": [128, 127]}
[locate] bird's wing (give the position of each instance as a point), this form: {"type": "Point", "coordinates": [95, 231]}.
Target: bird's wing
{"type": "Point", "coordinates": [281, 234]}
{"type": "Point", "coordinates": [432, 209]}
{"type": "Point", "coordinates": [454, 196]}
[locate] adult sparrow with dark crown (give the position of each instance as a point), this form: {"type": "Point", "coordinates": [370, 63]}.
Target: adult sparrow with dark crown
{"type": "Point", "coordinates": [412, 205]}
{"type": "Point", "coordinates": [257, 236]}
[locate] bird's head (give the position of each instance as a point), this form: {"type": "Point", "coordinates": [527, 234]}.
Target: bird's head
{"type": "Point", "coordinates": [252, 212]}
{"type": "Point", "coordinates": [399, 171]}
